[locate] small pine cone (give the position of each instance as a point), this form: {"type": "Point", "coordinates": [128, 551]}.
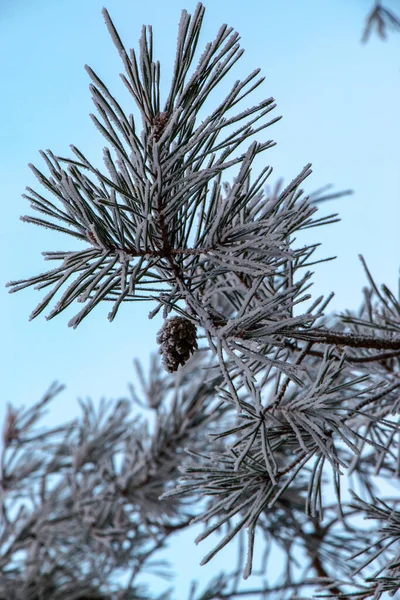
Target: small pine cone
{"type": "Point", "coordinates": [159, 123]}
{"type": "Point", "coordinates": [178, 339]}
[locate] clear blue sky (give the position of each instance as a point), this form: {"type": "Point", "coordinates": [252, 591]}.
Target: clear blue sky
{"type": "Point", "coordinates": [339, 100]}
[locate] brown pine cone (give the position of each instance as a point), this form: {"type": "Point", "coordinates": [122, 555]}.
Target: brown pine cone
{"type": "Point", "coordinates": [178, 339]}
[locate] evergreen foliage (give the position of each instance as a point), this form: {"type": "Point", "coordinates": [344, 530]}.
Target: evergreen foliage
{"type": "Point", "coordinates": [279, 401]}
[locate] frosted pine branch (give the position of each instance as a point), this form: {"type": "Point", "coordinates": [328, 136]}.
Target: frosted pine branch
{"type": "Point", "coordinates": [268, 401]}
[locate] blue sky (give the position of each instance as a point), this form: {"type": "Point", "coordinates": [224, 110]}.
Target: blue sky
{"type": "Point", "coordinates": [339, 100]}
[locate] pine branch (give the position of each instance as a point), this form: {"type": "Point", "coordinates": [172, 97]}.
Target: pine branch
{"type": "Point", "coordinates": [285, 394]}
{"type": "Point", "coordinates": [382, 19]}
{"type": "Point", "coordinates": [348, 339]}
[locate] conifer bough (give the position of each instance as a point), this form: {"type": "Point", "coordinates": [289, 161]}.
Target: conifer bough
{"type": "Point", "coordinates": [297, 392]}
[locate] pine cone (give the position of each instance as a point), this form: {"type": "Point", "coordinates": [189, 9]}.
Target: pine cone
{"type": "Point", "coordinates": [178, 339]}
{"type": "Point", "coordinates": [159, 124]}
